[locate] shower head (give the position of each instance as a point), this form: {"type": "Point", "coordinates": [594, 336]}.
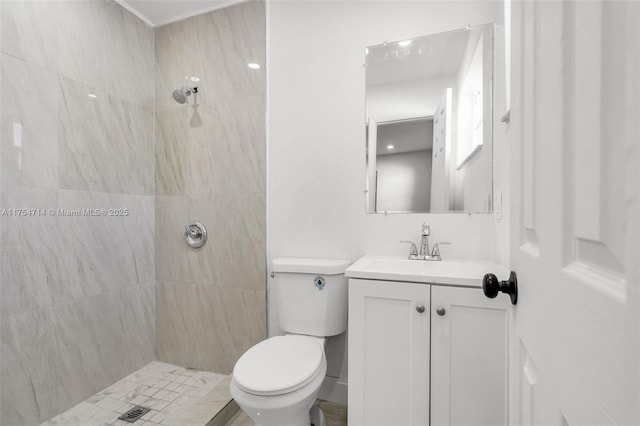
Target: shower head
{"type": "Point", "coordinates": [180, 95]}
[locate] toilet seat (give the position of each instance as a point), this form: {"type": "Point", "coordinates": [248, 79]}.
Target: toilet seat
{"type": "Point", "coordinates": [279, 365]}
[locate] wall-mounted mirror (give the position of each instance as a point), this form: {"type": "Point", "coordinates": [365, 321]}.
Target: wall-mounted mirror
{"type": "Point", "coordinates": [429, 115]}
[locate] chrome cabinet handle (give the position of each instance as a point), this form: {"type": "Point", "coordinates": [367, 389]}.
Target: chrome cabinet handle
{"type": "Point", "coordinates": [420, 309]}
{"type": "Point", "coordinates": [441, 311]}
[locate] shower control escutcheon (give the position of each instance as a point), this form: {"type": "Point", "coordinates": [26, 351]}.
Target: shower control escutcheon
{"type": "Point", "coordinates": [195, 234]}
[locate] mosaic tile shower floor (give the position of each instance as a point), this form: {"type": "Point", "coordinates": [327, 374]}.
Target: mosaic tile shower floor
{"type": "Point", "coordinates": [169, 392]}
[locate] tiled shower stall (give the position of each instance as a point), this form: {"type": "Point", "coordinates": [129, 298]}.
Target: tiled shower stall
{"type": "Point", "coordinates": [88, 122]}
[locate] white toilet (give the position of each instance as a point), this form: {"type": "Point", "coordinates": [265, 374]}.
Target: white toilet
{"type": "Point", "coordinates": [277, 381]}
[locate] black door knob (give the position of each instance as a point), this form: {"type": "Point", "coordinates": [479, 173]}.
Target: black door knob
{"type": "Point", "coordinates": [491, 286]}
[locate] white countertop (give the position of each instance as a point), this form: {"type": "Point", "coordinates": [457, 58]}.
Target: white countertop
{"type": "Point", "coordinates": [467, 273]}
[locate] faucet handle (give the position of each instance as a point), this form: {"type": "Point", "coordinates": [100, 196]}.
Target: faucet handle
{"type": "Point", "coordinates": [436, 248]}
{"type": "Point", "coordinates": [413, 250]}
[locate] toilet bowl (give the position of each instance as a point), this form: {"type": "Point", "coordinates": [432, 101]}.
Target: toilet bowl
{"type": "Point", "coordinates": [277, 381]}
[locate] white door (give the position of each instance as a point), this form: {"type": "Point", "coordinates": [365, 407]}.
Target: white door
{"type": "Point", "coordinates": [388, 353]}
{"type": "Point", "coordinates": [574, 238]}
{"type": "Point", "coordinates": [469, 357]}
{"type": "Point", "coordinates": [372, 167]}
{"type": "Point", "coordinates": [441, 154]}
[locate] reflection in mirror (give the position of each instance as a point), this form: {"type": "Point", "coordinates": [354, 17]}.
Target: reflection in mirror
{"type": "Point", "coordinates": [429, 128]}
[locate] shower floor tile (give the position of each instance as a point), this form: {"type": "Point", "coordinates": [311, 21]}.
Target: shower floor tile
{"type": "Point", "coordinates": [164, 388]}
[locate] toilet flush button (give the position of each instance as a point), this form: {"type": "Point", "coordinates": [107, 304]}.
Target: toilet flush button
{"type": "Point", "coordinates": [319, 282]}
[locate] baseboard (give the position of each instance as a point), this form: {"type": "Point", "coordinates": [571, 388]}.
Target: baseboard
{"type": "Point", "coordinates": [225, 415]}
{"type": "Point", "coordinates": [334, 389]}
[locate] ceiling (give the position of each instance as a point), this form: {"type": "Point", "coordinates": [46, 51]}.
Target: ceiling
{"type": "Point", "coordinates": [156, 13]}
{"type": "Point", "coordinates": [405, 136]}
{"type": "Point", "coordinates": [425, 58]}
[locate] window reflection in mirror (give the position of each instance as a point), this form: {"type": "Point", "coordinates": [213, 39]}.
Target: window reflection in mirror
{"type": "Point", "coordinates": [429, 129]}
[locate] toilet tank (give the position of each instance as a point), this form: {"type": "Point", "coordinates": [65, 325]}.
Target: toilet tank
{"type": "Point", "coordinates": [311, 295]}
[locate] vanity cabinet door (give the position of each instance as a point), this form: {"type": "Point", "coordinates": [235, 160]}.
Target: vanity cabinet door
{"type": "Point", "coordinates": [388, 353]}
{"type": "Point", "coordinates": [469, 357]}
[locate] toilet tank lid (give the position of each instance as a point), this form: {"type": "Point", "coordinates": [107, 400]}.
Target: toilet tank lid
{"type": "Point", "coordinates": [300, 265]}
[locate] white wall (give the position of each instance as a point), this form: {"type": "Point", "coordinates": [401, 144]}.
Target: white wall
{"type": "Point", "coordinates": [316, 122]}
{"type": "Point", "coordinates": [417, 98]}
{"type": "Point", "coordinates": [472, 181]}
{"type": "Point", "coordinates": [441, 152]}
{"type": "Point", "coordinates": [404, 181]}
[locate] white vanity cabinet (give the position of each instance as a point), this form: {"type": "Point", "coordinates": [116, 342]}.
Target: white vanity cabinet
{"type": "Point", "coordinates": [423, 354]}
{"type": "Point", "coordinates": [469, 357]}
{"type": "Point", "coordinates": [388, 353]}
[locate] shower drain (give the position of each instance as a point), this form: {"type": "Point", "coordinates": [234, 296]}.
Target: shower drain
{"type": "Point", "coordinates": [134, 414]}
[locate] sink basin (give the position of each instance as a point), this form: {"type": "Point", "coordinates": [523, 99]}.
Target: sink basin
{"type": "Point", "coordinates": [467, 273]}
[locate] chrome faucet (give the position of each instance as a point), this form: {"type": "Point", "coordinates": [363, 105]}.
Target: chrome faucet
{"type": "Point", "coordinates": [424, 244]}
{"type": "Point", "coordinates": [413, 251]}
{"type": "Point", "coordinates": [425, 254]}
{"type": "Point", "coordinates": [435, 253]}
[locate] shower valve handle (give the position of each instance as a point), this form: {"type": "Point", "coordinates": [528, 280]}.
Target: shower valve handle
{"type": "Point", "coordinates": [195, 234]}
{"type": "Point", "coordinates": [193, 231]}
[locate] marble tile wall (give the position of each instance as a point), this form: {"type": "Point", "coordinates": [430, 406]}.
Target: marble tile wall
{"type": "Point", "coordinates": [77, 307]}
{"type": "Point", "coordinates": [210, 167]}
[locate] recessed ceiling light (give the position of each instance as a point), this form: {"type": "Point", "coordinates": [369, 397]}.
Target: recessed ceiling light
{"type": "Point", "coordinates": [404, 43]}
{"type": "Point", "coordinates": [92, 95]}
{"type": "Point", "coordinates": [390, 146]}
{"type": "Point", "coordinates": [195, 79]}
{"type": "Point", "coordinates": [253, 66]}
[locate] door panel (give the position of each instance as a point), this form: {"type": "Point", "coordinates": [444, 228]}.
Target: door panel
{"type": "Point", "coordinates": [372, 174]}
{"type": "Point", "coordinates": [441, 154]}
{"type": "Point", "coordinates": [576, 134]}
